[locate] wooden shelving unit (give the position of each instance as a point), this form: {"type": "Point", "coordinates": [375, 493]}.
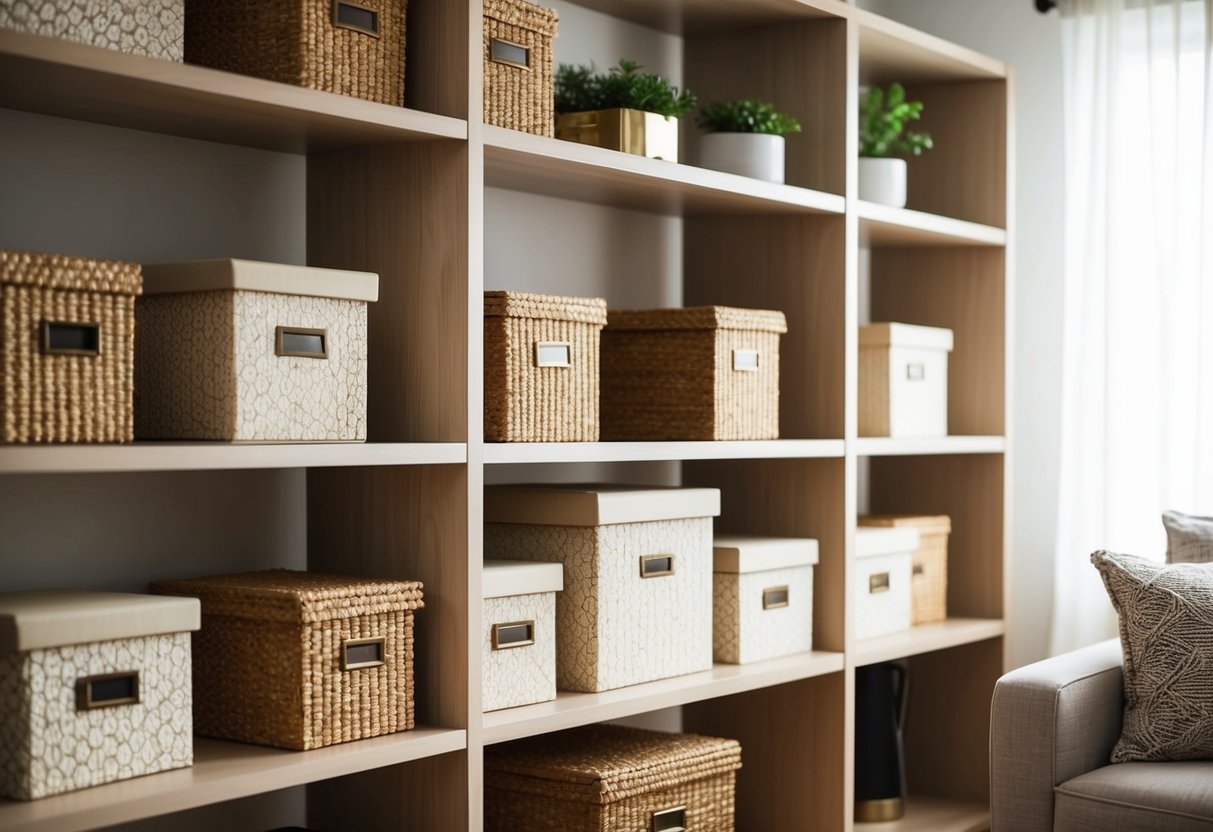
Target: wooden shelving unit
{"type": "Point", "coordinates": [416, 195]}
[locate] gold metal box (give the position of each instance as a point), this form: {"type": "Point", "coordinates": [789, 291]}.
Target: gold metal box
{"type": "Point", "coordinates": [631, 131]}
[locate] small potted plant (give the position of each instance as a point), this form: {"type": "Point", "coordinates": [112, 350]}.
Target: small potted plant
{"type": "Point", "coordinates": [621, 109]}
{"type": "Point", "coordinates": [745, 137]}
{"type": "Point", "coordinates": [883, 139]}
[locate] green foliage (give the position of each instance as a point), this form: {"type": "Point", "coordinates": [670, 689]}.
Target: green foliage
{"type": "Point", "coordinates": [580, 89]}
{"type": "Point", "coordinates": [882, 124]}
{"type": "Point", "coordinates": [745, 115]}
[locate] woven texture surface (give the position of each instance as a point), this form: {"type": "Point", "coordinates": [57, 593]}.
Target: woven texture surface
{"type": "Point", "coordinates": [267, 661]}
{"type": "Point", "coordinates": [520, 98]}
{"type": "Point", "coordinates": [609, 778]}
{"type": "Point", "coordinates": [744, 631]}
{"type": "Point", "coordinates": [67, 398]}
{"type": "Point", "coordinates": [140, 27]}
{"type": "Point", "coordinates": [929, 563]}
{"type": "Point", "coordinates": [1189, 538]}
{"type": "Point", "coordinates": [297, 42]}
{"type": "Point", "coordinates": [524, 402]}
{"type": "Point", "coordinates": [668, 374]}
{"type": "Point", "coordinates": [519, 675]}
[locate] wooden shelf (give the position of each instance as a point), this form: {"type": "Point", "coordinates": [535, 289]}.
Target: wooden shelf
{"type": "Point", "coordinates": [933, 814]}
{"type": "Point", "coordinates": [569, 710]}
{"type": "Point", "coordinates": [546, 452]}
{"type": "Point", "coordinates": [893, 446]}
{"type": "Point", "coordinates": [71, 80]}
{"type": "Point", "coordinates": [568, 170]}
{"type": "Point", "coordinates": [221, 771]}
{"type": "Point", "coordinates": [892, 51]}
{"type": "Point", "coordinates": [880, 225]}
{"type": "Point", "coordinates": [927, 638]}
{"type": "Point", "coordinates": [680, 16]}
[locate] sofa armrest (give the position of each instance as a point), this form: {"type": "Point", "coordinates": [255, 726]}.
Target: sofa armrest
{"type": "Point", "coordinates": [1050, 722]}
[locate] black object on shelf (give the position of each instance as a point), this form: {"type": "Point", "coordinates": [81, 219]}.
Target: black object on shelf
{"type": "Point", "coordinates": [1045, 6]}
{"type": "Point", "coordinates": [880, 712]}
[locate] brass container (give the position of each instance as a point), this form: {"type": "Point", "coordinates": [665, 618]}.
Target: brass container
{"type": "Point", "coordinates": [631, 131]}
{"type": "Point", "coordinates": [879, 811]}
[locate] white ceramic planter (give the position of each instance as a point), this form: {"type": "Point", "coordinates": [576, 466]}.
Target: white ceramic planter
{"type": "Point", "coordinates": [883, 181]}
{"type": "Point", "coordinates": [757, 155]}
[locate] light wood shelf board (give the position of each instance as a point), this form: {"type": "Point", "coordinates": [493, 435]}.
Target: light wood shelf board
{"type": "Point", "coordinates": [681, 16]}
{"type": "Point", "coordinates": [933, 814]}
{"type": "Point", "coordinates": [60, 78]}
{"type": "Point", "coordinates": [894, 446]}
{"type": "Point", "coordinates": [222, 771]}
{"type": "Point", "coordinates": [568, 710]}
{"type": "Point", "coordinates": [568, 170]}
{"type": "Point", "coordinates": [892, 51]}
{"type": "Point", "coordinates": [547, 452]}
{"type": "Point", "coordinates": [927, 638]}
{"type": "Point", "coordinates": [881, 225]}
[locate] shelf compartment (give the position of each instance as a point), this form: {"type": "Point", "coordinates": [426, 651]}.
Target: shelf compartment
{"type": "Point", "coordinates": [934, 814]}
{"type": "Point", "coordinates": [681, 16]}
{"type": "Point", "coordinates": [222, 771]}
{"type": "Point", "coordinates": [548, 452]}
{"type": "Point", "coordinates": [100, 85]}
{"type": "Point", "coordinates": [568, 710]}
{"type": "Point", "coordinates": [892, 51]}
{"type": "Point", "coordinates": [881, 225]}
{"type": "Point", "coordinates": [927, 638]}
{"type": "Point", "coordinates": [895, 446]}
{"type": "Point", "coordinates": [568, 170]}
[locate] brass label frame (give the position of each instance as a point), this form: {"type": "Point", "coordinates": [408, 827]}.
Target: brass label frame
{"type": "Point", "coordinates": [281, 351]}
{"type": "Point", "coordinates": [743, 366]}
{"type": "Point", "coordinates": [360, 642]}
{"type": "Point", "coordinates": [776, 597]}
{"type": "Point", "coordinates": [498, 629]}
{"type": "Point", "coordinates": [647, 572]}
{"type": "Point", "coordinates": [567, 346]}
{"type": "Point", "coordinates": [45, 337]}
{"type": "Point", "coordinates": [341, 24]}
{"type": "Point", "coordinates": [673, 819]}
{"type": "Point", "coordinates": [506, 61]}
{"type": "Point", "coordinates": [84, 691]}
{"type": "Point", "coordinates": [879, 582]}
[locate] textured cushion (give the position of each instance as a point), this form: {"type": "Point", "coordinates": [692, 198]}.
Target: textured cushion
{"type": "Point", "coordinates": [1189, 538]}
{"type": "Point", "coordinates": [1137, 796]}
{"type": "Point", "coordinates": [1166, 634]}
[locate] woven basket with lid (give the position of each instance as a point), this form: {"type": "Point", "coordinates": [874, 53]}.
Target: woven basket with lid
{"type": "Point", "coordinates": [608, 778]}
{"type": "Point", "coordinates": [67, 342]}
{"type": "Point", "coordinates": [703, 373]}
{"type": "Point", "coordinates": [541, 367]}
{"type": "Point", "coordinates": [518, 80]}
{"type": "Point", "coordinates": [301, 660]}
{"type": "Point", "coordinates": [929, 575]}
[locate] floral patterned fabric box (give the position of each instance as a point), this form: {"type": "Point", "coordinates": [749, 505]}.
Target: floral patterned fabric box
{"type": "Point", "coordinates": [155, 28]}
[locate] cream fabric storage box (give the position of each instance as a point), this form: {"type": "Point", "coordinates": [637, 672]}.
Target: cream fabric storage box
{"type": "Point", "coordinates": [519, 620]}
{"type": "Point", "coordinates": [763, 597]}
{"type": "Point", "coordinates": [243, 351]}
{"type": "Point", "coordinates": [94, 687]}
{"type": "Point", "coordinates": [637, 602]}
{"type": "Point", "coordinates": [928, 564]}
{"type": "Point", "coordinates": [903, 380]}
{"type": "Point", "coordinates": [155, 28]}
{"type": "Point", "coordinates": [882, 580]}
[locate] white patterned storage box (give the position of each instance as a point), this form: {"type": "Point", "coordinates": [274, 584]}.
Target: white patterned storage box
{"type": "Point", "coordinates": [882, 580]}
{"type": "Point", "coordinates": [763, 597]}
{"type": "Point", "coordinates": [141, 27]}
{"type": "Point", "coordinates": [519, 619]}
{"type": "Point", "coordinates": [94, 687]}
{"type": "Point", "coordinates": [637, 599]}
{"type": "Point", "coordinates": [903, 380]}
{"type": "Point", "coordinates": [242, 351]}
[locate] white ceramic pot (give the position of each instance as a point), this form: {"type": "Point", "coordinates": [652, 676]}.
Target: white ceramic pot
{"type": "Point", "coordinates": [883, 181]}
{"type": "Point", "coordinates": [757, 155]}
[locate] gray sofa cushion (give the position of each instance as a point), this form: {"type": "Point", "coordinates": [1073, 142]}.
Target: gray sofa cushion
{"type": "Point", "coordinates": [1137, 796]}
{"type": "Point", "coordinates": [1189, 538]}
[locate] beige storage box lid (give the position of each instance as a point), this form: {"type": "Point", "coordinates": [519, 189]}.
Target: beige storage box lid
{"type": "Point", "coordinates": [503, 578]}
{"type": "Point", "coordinates": [740, 554]}
{"type": "Point", "coordinates": [905, 335]}
{"type": "Point", "coordinates": [698, 318]}
{"type": "Point", "coordinates": [41, 619]}
{"type": "Point", "coordinates": [498, 304]}
{"type": "Point", "coordinates": [255, 276]}
{"type": "Point", "coordinates": [925, 523]}
{"type": "Point", "coordinates": [596, 505]}
{"type": "Point", "coordinates": [874, 542]}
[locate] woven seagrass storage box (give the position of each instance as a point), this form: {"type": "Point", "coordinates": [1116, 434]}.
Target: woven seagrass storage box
{"type": "Point", "coordinates": [155, 28]}
{"type": "Point", "coordinates": [637, 599]}
{"type": "Point", "coordinates": [762, 597]}
{"type": "Point", "coordinates": [881, 580]}
{"type": "Point", "coordinates": [903, 380]}
{"type": "Point", "coordinates": [341, 46]}
{"type": "Point", "coordinates": [301, 660]}
{"type": "Point", "coordinates": [928, 563]}
{"type": "Point", "coordinates": [518, 81]}
{"type": "Point", "coordinates": [518, 650]}
{"type": "Point", "coordinates": [608, 778]}
{"type": "Point", "coordinates": [252, 352]}
{"type": "Point", "coordinates": [94, 687]}
{"type": "Point", "coordinates": [704, 373]}
{"type": "Point", "coordinates": [541, 367]}
{"type": "Point", "coordinates": [67, 343]}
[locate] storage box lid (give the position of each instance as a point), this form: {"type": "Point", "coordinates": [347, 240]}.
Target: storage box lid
{"type": "Point", "coordinates": [925, 523]}
{"type": "Point", "coordinates": [520, 13]}
{"type": "Point", "coordinates": [545, 307]}
{"type": "Point", "coordinates": [73, 274]}
{"type": "Point", "coordinates": [743, 554]}
{"type": "Point", "coordinates": [905, 335]}
{"type": "Point", "coordinates": [297, 597]}
{"type": "Point", "coordinates": [870, 543]}
{"type": "Point", "coordinates": [602, 764]}
{"type": "Point", "coordinates": [503, 578]}
{"type": "Point", "coordinates": [595, 505]}
{"type": "Point", "coordinates": [254, 276]}
{"type": "Point", "coordinates": [698, 318]}
{"type": "Point", "coordinates": [57, 618]}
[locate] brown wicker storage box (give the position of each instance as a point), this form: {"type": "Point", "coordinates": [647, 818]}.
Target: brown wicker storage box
{"type": "Point", "coordinates": [929, 576]}
{"type": "Point", "coordinates": [607, 778]}
{"type": "Point", "coordinates": [350, 48]}
{"type": "Point", "coordinates": [704, 373]}
{"type": "Point", "coordinates": [301, 660]}
{"type": "Point", "coordinates": [67, 342]}
{"type": "Point", "coordinates": [541, 367]}
{"type": "Point", "coordinates": [518, 84]}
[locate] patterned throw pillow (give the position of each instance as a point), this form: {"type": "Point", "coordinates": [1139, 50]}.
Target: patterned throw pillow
{"type": "Point", "coordinates": [1166, 634]}
{"type": "Point", "coordinates": [1189, 538]}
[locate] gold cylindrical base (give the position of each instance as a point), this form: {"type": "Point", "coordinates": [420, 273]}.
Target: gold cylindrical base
{"type": "Point", "coordinates": [879, 811]}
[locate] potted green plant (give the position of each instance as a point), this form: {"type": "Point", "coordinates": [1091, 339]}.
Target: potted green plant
{"type": "Point", "coordinates": [745, 137]}
{"type": "Point", "coordinates": [883, 140]}
{"type": "Point", "coordinates": [621, 109]}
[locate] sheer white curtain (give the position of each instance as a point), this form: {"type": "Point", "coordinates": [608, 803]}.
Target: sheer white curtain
{"type": "Point", "coordinates": [1137, 432]}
